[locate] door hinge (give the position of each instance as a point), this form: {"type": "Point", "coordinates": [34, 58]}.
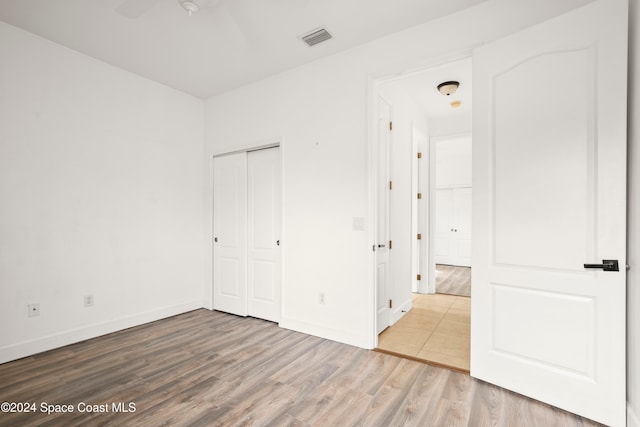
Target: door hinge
{"type": "Point", "coordinates": [419, 236]}
{"type": "Point", "coordinates": [419, 277]}
{"type": "Point", "coordinates": [390, 125]}
{"type": "Point", "coordinates": [390, 303]}
{"type": "Point", "coordinates": [390, 244]}
{"type": "Point", "coordinates": [419, 195]}
{"type": "Point", "coordinates": [390, 185]}
{"type": "Point", "coordinates": [419, 155]}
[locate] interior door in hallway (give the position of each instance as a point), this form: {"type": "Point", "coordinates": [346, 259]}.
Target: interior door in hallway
{"type": "Point", "coordinates": [549, 182]}
{"type": "Point", "coordinates": [453, 226]}
{"type": "Point", "coordinates": [383, 190]}
{"type": "Point", "coordinates": [264, 224]}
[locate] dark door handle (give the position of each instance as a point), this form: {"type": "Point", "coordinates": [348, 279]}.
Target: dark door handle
{"type": "Point", "coordinates": [215, 239]}
{"type": "Point", "coordinates": [278, 242]}
{"type": "Point", "coordinates": [607, 265]}
{"type": "Point", "coordinates": [381, 246]}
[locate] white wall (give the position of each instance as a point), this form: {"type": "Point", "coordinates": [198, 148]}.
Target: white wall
{"type": "Point", "coordinates": [101, 192]}
{"type": "Point", "coordinates": [319, 110]}
{"type": "Point", "coordinates": [101, 183]}
{"type": "Point", "coordinates": [633, 255]}
{"type": "Point", "coordinates": [407, 117]}
{"type": "Point", "coordinates": [453, 161]}
{"type": "Point", "coordinates": [450, 125]}
{"type": "Point", "coordinates": [324, 185]}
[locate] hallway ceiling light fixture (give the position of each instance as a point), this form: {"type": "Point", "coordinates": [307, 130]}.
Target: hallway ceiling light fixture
{"type": "Point", "coordinates": [190, 6]}
{"type": "Point", "coordinates": [456, 104]}
{"type": "Point", "coordinates": [447, 88]}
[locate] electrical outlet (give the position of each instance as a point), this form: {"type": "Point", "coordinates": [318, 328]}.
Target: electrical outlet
{"type": "Point", "coordinates": [88, 300]}
{"type": "Point", "coordinates": [33, 310]}
{"type": "Point", "coordinates": [321, 298]}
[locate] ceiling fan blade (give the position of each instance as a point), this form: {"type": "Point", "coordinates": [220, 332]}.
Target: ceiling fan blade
{"type": "Point", "coordinates": [240, 22]}
{"type": "Point", "coordinates": [133, 9]}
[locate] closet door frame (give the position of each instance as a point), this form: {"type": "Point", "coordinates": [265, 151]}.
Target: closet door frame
{"type": "Point", "coordinates": [243, 309]}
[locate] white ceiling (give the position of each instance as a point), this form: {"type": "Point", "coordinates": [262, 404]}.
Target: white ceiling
{"type": "Point", "coordinates": [227, 44]}
{"type": "Point", "coordinates": [421, 87]}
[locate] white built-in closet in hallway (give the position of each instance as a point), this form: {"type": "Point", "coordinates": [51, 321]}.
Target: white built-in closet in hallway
{"type": "Point", "coordinates": [452, 233]}
{"type": "Point", "coordinates": [246, 227]}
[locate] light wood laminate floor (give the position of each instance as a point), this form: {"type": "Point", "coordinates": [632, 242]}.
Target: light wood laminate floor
{"type": "Point", "coordinates": [213, 369]}
{"type": "Point", "coordinates": [453, 280]}
{"type": "Point", "coordinates": [436, 330]}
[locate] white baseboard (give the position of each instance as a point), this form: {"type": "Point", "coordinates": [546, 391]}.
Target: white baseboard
{"type": "Point", "coordinates": [31, 347]}
{"type": "Point", "coordinates": [633, 419]}
{"type": "Point", "coordinates": [403, 309]}
{"type": "Point", "coordinates": [339, 335]}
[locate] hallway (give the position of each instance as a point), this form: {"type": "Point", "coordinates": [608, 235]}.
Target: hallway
{"type": "Point", "coordinates": [436, 330]}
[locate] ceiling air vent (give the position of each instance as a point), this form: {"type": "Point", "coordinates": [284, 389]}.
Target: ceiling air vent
{"type": "Point", "coordinates": [316, 36]}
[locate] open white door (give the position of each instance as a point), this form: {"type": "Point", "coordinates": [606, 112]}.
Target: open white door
{"type": "Point", "coordinates": [264, 226]}
{"type": "Point", "coordinates": [383, 308]}
{"type": "Point", "coordinates": [549, 160]}
{"type": "Point", "coordinates": [230, 233]}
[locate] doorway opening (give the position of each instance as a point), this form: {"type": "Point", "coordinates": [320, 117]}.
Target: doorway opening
{"type": "Point", "coordinates": [430, 166]}
{"type": "Point", "coordinates": [451, 201]}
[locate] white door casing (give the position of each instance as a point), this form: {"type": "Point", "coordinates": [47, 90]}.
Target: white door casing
{"type": "Point", "coordinates": [422, 215]}
{"type": "Point", "coordinates": [263, 256]}
{"type": "Point", "coordinates": [549, 179]}
{"type": "Point", "coordinates": [383, 195]}
{"type": "Point", "coordinates": [230, 233]}
{"type": "Point", "coordinates": [415, 210]}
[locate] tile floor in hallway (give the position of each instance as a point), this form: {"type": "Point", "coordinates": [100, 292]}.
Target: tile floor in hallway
{"type": "Point", "coordinates": [436, 330]}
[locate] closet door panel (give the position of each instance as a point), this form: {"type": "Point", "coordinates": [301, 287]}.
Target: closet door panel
{"type": "Point", "coordinates": [264, 225]}
{"type": "Point", "coordinates": [230, 234]}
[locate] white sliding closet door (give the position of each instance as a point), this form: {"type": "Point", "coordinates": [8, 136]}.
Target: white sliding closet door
{"type": "Point", "coordinates": [264, 233]}
{"type": "Point", "coordinates": [230, 234]}
{"type": "Point", "coordinates": [246, 227]}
